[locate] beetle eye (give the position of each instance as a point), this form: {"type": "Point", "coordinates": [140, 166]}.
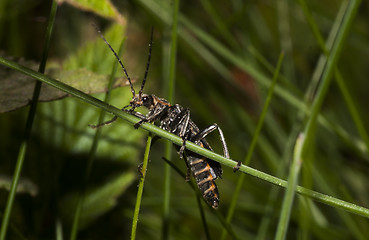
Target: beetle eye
{"type": "Point", "coordinates": [147, 101]}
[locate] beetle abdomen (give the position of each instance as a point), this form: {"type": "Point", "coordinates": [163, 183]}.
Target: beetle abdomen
{"type": "Point", "coordinates": [204, 176]}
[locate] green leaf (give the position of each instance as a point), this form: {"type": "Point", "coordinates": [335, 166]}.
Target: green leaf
{"type": "Point", "coordinates": [103, 8]}
{"type": "Point", "coordinates": [92, 56]}
{"type": "Point", "coordinates": [17, 89]}
{"type": "Point", "coordinates": [87, 69]}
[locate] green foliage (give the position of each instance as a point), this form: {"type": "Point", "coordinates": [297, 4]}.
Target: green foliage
{"type": "Point", "coordinates": [227, 53]}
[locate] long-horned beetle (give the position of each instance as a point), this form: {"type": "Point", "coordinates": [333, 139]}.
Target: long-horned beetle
{"type": "Point", "coordinates": [176, 119]}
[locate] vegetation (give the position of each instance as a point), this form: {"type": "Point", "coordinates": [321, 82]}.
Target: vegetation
{"type": "Point", "coordinates": [286, 82]}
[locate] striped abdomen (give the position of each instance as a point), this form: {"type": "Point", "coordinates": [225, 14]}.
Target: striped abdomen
{"type": "Point", "coordinates": [204, 176]}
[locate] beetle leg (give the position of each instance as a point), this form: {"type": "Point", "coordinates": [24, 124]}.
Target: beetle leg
{"type": "Point", "coordinates": [153, 115]}
{"type": "Point", "coordinates": [201, 135]}
{"type": "Point", "coordinates": [182, 120]}
{"type": "Point", "coordinates": [104, 123]}
{"type": "Point", "coordinates": [183, 147]}
{"type": "Point", "coordinates": [137, 114]}
{"type": "Point", "coordinates": [188, 173]}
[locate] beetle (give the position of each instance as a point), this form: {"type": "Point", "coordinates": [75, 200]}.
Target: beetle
{"type": "Point", "coordinates": [176, 119]}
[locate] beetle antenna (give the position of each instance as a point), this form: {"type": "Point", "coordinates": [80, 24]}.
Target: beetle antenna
{"type": "Point", "coordinates": [147, 65]}
{"type": "Point", "coordinates": [120, 62]}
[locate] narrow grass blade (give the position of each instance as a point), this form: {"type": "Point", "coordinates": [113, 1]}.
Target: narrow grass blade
{"type": "Point", "coordinates": [203, 218]}
{"type": "Point", "coordinates": [219, 215]}
{"type": "Point", "coordinates": [140, 187]}
{"type": "Point", "coordinates": [58, 230]}
{"type": "Point", "coordinates": [29, 123]}
{"type": "Point", "coordinates": [339, 79]}
{"type": "Point", "coordinates": [219, 22]}
{"type": "Point", "coordinates": [92, 152]}
{"type": "Point", "coordinates": [350, 12]}
{"type": "Point", "coordinates": [344, 90]}
{"type": "Point", "coordinates": [285, 42]}
{"type": "Point", "coordinates": [353, 208]}
{"type": "Point", "coordinates": [285, 214]}
{"type": "Point", "coordinates": [250, 151]}
{"type": "Point", "coordinates": [170, 86]}
{"type": "Point", "coordinates": [160, 10]}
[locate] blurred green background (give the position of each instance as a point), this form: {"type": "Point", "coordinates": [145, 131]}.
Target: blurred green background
{"type": "Point", "coordinates": [226, 57]}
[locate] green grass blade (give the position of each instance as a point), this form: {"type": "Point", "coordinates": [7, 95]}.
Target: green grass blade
{"type": "Point", "coordinates": [352, 108]}
{"type": "Point", "coordinates": [173, 53]}
{"type": "Point", "coordinates": [254, 140]}
{"type": "Point", "coordinates": [261, 78]}
{"type": "Point", "coordinates": [160, 10]}
{"type": "Point", "coordinates": [339, 79]}
{"type": "Point", "coordinates": [349, 14]}
{"type": "Point", "coordinates": [203, 218]}
{"type": "Point", "coordinates": [353, 208]}
{"type": "Point", "coordinates": [347, 97]}
{"type": "Point", "coordinates": [284, 217]}
{"type": "Point", "coordinates": [289, 195]}
{"type": "Point", "coordinates": [285, 39]}
{"type": "Point", "coordinates": [170, 86]}
{"type": "Point", "coordinates": [140, 187]}
{"type": "Point", "coordinates": [219, 23]}
{"type": "Point", "coordinates": [59, 230]}
{"type": "Point", "coordinates": [92, 152]}
{"type": "Point", "coordinates": [29, 123]}
{"type": "Point", "coordinates": [219, 215]}
{"type": "Point", "coordinates": [314, 28]}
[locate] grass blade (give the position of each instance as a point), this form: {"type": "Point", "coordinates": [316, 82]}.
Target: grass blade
{"type": "Point", "coordinates": [160, 11]}
{"type": "Point", "coordinates": [92, 152]}
{"type": "Point", "coordinates": [349, 14]}
{"type": "Point", "coordinates": [250, 151]}
{"type": "Point", "coordinates": [350, 207]}
{"type": "Point", "coordinates": [29, 123]}
{"type": "Point", "coordinates": [339, 79]}
{"type": "Point", "coordinates": [140, 187]}
{"type": "Point", "coordinates": [220, 217]}
{"type": "Point", "coordinates": [284, 217]}
{"type": "Point", "coordinates": [169, 86]}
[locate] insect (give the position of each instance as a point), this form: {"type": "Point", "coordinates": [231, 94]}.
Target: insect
{"type": "Point", "coordinates": [176, 119]}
